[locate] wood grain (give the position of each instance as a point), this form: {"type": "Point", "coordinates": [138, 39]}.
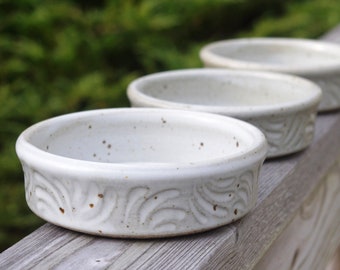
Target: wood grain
{"type": "Point", "coordinates": [310, 240]}
{"type": "Point", "coordinates": [285, 185]}
{"type": "Point", "coordinates": [334, 264]}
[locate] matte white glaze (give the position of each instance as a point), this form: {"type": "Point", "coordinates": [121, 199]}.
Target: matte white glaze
{"type": "Point", "coordinates": [318, 61]}
{"type": "Point", "coordinates": [141, 172]}
{"type": "Point", "coordinates": [282, 106]}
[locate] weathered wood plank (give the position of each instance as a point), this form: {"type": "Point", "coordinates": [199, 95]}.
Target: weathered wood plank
{"type": "Point", "coordinates": [273, 214]}
{"type": "Point", "coordinates": [334, 264]}
{"type": "Point", "coordinates": [285, 184]}
{"type": "Point", "coordinates": [310, 240]}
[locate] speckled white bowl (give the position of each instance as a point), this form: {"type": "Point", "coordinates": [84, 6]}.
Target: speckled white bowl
{"type": "Point", "coordinates": [141, 172]}
{"type": "Point", "coordinates": [282, 106]}
{"type": "Point", "coordinates": [316, 60]}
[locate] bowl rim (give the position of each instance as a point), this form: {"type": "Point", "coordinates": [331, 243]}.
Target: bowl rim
{"type": "Point", "coordinates": [207, 55]}
{"type": "Point", "coordinates": [37, 157]}
{"type": "Point", "coordinates": [136, 95]}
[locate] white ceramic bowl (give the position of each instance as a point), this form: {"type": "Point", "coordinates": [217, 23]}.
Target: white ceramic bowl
{"type": "Point", "coordinates": [282, 106]}
{"type": "Point", "coordinates": [315, 60]}
{"type": "Point", "coordinates": [141, 172]}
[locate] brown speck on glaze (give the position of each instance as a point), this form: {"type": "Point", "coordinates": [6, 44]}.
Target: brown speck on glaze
{"type": "Point", "coordinates": [30, 193]}
{"type": "Point", "coordinates": [61, 210]}
{"type": "Point", "coordinates": [201, 144]}
{"type": "Point", "coordinates": [235, 211]}
{"type": "Point", "coordinates": [155, 197]}
{"type": "Point", "coordinates": [165, 86]}
{"type": "Point", "coordinates": [89, 127]}
{"type": "Point", "coordinates": [126, 177]}
{"type": "Point", "coordinates": [238, 185]}
{"type": "Point", "coordinates": [237, 144]}
{"type": "Point", "coordinates": [98, 260]}
{"type": "Point", "coordinates": [73, 209]}
{"type": "Point", "coordinates": [215, 207]}
{"type": "Point", "coordinates": [163, 120]}
{"type": "Point", "coordinates": [94, 154]}
{"type": "Point", "coordinates": [109, 146]}
{"type": "Point", "coordinates": [104, 142]}
{"type": "Point", "coordinates": [101, 195]}
{"type": "Point", "coordinates": [91, 205]}
{"type": "Point", "coordinates": [100, 231]}
{"type": "Point", "coordinates": [229, 194]}
{"type": "Point", "coordinates": [47, 147]}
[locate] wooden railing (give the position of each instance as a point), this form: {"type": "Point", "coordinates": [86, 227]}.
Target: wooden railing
{"type": "Point", "coordinates": [295, 224]}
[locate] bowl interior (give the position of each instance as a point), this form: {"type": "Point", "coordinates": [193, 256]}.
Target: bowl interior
{"type": "Point", "coordinates": [278, 54]}
{"type": "Point", "coordinates": [141, 136]}
{"type": "Point", "coordinates": [288, 54]}
{"type": "Point", "coordinates": [223, 89]}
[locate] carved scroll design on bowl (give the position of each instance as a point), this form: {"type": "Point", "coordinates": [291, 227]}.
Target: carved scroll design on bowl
{"type": "Point", "coordinates": [158, 210]}
{"type": "Point", "coordinates": [67, 200]}
{"type": "Point", "coordinates": [140, 209]}
{"type": "Point", "coordinates": [224, 198]}
{"type": "Point", "coordinates": [288, 134]}
{"type": "Point", "coordinates": [330, 91]}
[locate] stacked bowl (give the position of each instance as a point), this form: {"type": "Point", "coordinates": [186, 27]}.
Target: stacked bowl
{"type": "Point", "coordinates": [283, 107]}
{"type": "Point", "coordinates": [314, 60]}
{"type": "Point", "coordinates": [189, 161]}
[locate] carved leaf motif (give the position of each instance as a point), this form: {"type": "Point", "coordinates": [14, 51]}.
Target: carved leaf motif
{"type": "Point", "coordinates": [273, 128]}
{"type": "Point", "coordinates": [219, 198]}
{"type": "Point", "coordinates": [134, 197]}
{"type": "Point", "coordinates": [28, 182]}
{"type": "Point", "coordinates": [288, 133]}
{"type": "Point", "coordinates": [157, 211]}
{"type": "Point", "coordinates": [68, 200]}
{"type": "Point", "coordinates": [294, 132]}
{"type": "Point", "coordinates": [167, 218]}
{"type": "Point", "coordinates": [330, 91]}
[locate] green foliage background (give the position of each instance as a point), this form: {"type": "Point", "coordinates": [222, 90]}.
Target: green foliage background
{"type": "Point", "coordinates": [64, 56]}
